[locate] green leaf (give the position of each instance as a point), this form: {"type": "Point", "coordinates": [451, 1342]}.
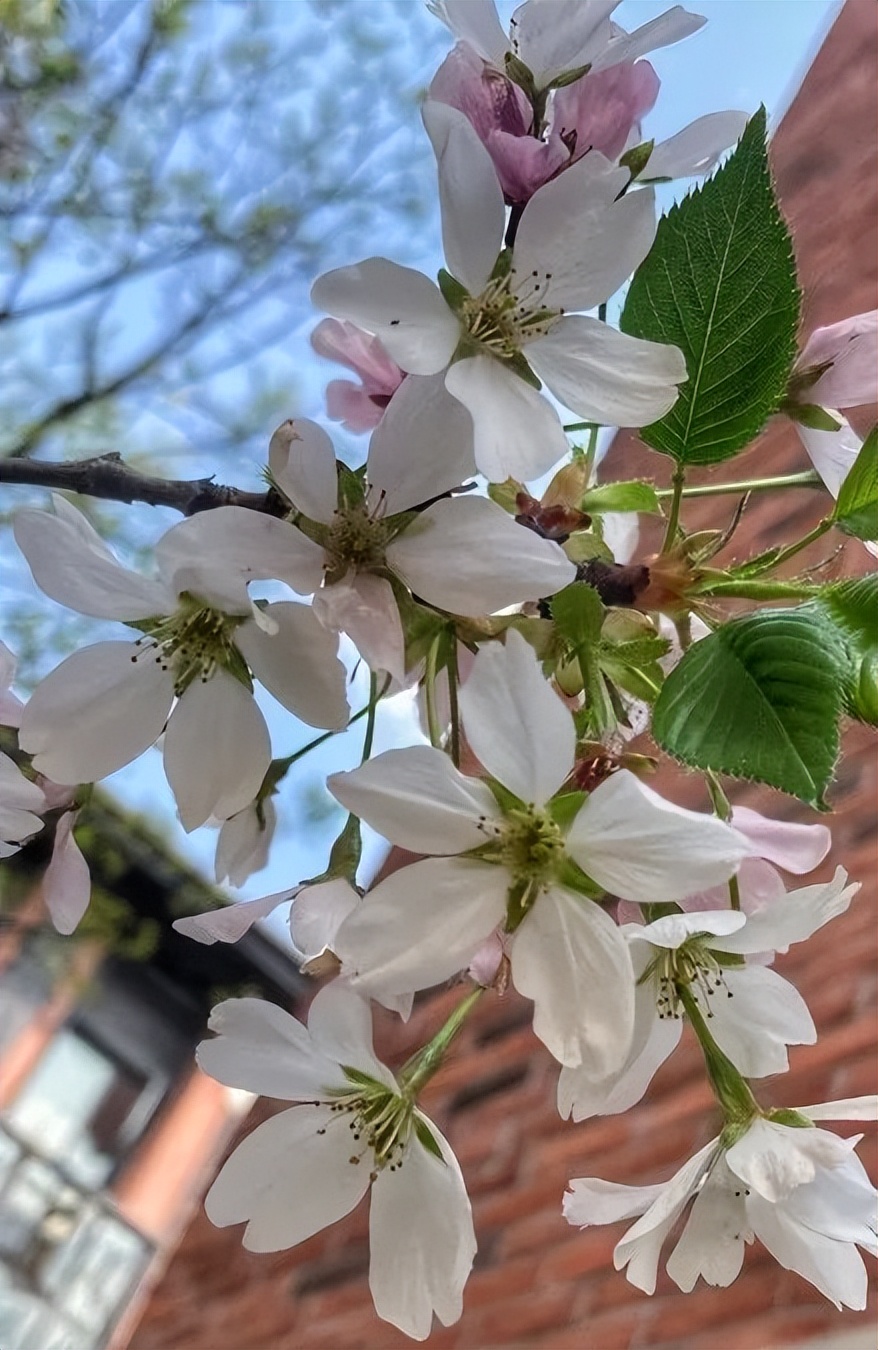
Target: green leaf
{"type": "Point", "coordinates": [720, 284]}
{"type": "Point", "coordinates": [852, 608]}
{"type": "Point", "coordinates": [856, 511]}
{"type": "Point", "coordinates": [578, 615]}
{"type": "Point", "coordinates": [759, 699]}
{"type": "Point", "coordinates": [633, 496]}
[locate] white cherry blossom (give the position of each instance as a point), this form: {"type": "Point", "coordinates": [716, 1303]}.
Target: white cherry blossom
{"type": "Point", "coordinates": [462, 554]}
{"type": "Point", "coordinates": [800, 1190]}
{"type": "Point", "coordinates": [523, 861]}
{"type": "Point", "coordinates": [754, 1014]}
{"type": "Point", "coordinates": [577, 242]}
{"type": "Point", "coordinates": [188, 673]}
{"type": "Point", "coordinates": [354, 1130]}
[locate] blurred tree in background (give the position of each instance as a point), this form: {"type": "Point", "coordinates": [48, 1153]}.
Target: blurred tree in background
{"type": "Point", "coordinates": [173, 174]}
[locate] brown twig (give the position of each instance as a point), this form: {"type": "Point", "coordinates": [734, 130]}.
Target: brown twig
{"type": "Point", "coordinates": [109, 477]}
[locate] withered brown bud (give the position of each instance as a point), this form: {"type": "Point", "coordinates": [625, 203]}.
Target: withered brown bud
{"type": "Point", "coordinates": [555, 522]}
{"type": "Point", "coordinates": [615, 583]}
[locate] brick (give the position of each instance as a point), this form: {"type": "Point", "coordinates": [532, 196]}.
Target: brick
{"type": "Point", "coordinates": [522, 1318]}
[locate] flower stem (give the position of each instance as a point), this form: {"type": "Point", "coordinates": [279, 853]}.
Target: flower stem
{"type": "Point", "coordinates": [738, 1104]}
{"type": "Point", "coordinates": [371, 709]}
{"type": "Point", "coordinates": [433, 727]}
{"type": "Point", "coordinates": [454, 706]}
{"type": "Point", "coordinates": [279, 767]}
{"type": "Point", "coordinates": [677, 482]}
{"type": "Point", "coordinates": [807, 479]}
{"type": "Point", "coordinates": [792, 549]}
{"type": "Point", "coordinates": [422, 1066]}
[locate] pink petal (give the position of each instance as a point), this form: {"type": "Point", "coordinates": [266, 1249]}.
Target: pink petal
{"type": "Point", "coordinates": [66, 883]}
{"type": "Point", "coordinates": [602, 109]}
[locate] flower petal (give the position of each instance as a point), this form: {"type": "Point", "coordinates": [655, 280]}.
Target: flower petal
{"type": "Point", "coordinates": [364, 607]}
{"type": "Point", "coordinates": [416, 798]}
{"type": "Point", "coordinates": [262, 1049]}
{"type": "Point", "coordinates": [289, 1179]}
{"type": "Point", "coordinates": [571, 959]}
{"type": "Point", "coordinates": [244, 842]}
{"type": "Point", "coordinates": [607, 376]}
{"type": "Point", "coordinates": [835, 1268]}
{"type": "Point", "coordinates": [581, 1095]}
{"type": "Point", "coordinates": [80, 572]}
{"type": "Point", "coordinates": [340, 1027]}
{"type": "Point", "coordinates": [475, 22]}
{"type": "Point", "coordinates": [794, 916]}
{"type": "Point", "coordinates": [466, 555]}
{"type": "Point", "coordinates": [672, 930]}
{"type": "Point", "coordinates": [852, 348]}
{"type": "Point", "coordinates": [470, 197]}
{"type": "Point", "coordinates": [216, 751]}
{"type": "Point", "coordinates": [664, 30]}
{"type": "Point", "coordinates": [794, 847]}
{"type": "Point", "coordinates": [421, 925]}
{"type": "Point", "coordinates": [554, 38]}
{"type": "Point", "coordinates": [831, 452]}
{"type": "Point", "coordinates": [423, 445]}
{"type": "Point", "coordinates": [577, 241]}
{"type": "Point", "coordinates": [640, 847]}
{"type": "Point", "coordinates": [401, 306]}
{"type": "Point", "coordinates": [95, 712]}
{"type": "Point", "coordinates": [641, 1246]}
{"type": "Point", "coordinates": [712, 1242]}
{"type": "Point", "coordinates": [66, 885]}
{"type": "Point", "coordinates": [692, 152]}
{"type": "Point", "coordinates": [591, 1201]}
{"type": "Point", "coordinates": [848, 1108]}
{"type": "Point", "coordinates": [421, 1240]}
{"type": "Point", "coordinates": [302, 461]}
{"type": "Point", "coordinates": [230, 922]}
{"type": "Point", "coordinates": [516, 725]}
{"type": "Point", "coordinates": [775, 1159]}
{"type": "Point", "coordinates": [214, 554]}
{"type": "Point", "coordinates": [516, 433]}
{"type": "Point", "coordinates": [298, 664]}
{"type": "Point", "coordinates": [318, 912]}
{"type": "Point", "coordinates": [756, 1017]}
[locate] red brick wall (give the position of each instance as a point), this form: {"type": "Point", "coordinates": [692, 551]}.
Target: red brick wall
{"type": "Point", "coordinates": [538, 1282]}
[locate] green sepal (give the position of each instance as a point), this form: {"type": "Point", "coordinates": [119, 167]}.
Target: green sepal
{"type": "Point", "coordinates": [810, 415]}
{"type": "Point", "coordinates": [505, 493]}
{"type": "Point", "coordinates": [633, 496]}
{"type": "Point", "coordinates": [453, 292]}
{"type": "Point", "coordinates": [856, 510]}
{"type": "Point", "coordinates": [351, 485]}
{"type": "Point", "coordinates": [426, 1138]}
{"type": "Point", "coordinates": [569, 76]}
{"type": "Point", "coordinates": [565, 808]}
{"type": "Point", "coordinates": [637, 158]}
{"type": "Point", "coordinates": [520, 74]}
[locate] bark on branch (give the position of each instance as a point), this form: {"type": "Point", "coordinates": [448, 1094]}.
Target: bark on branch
{"type": "Point", "coordinates": [109, 477]}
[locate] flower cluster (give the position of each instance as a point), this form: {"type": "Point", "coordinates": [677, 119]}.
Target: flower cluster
{"type": "Point", "coordinates": [545, 860]}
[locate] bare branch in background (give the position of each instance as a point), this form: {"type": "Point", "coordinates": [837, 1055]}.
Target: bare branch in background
{"type": "Point", "coordinates": [109, 477]}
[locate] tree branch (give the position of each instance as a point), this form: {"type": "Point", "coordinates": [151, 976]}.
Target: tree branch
{"type": "Point", "coordinates": [108, 477]}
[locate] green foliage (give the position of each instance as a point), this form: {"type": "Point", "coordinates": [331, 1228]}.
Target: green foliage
{"type": "Point", "coordinates": [720, 284]}
{"type": "Point", "coordinates": [759, 699]}
{"type": "Point", "coordinates": [856, 511]}
{"type": "Point", "coordinates": [851, 607]}
{"type": "Point", "coordinates": [612, 649]}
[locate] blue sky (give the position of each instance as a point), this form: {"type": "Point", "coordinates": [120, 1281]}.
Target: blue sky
{"type": "Point", "coordinates": [750, 51]}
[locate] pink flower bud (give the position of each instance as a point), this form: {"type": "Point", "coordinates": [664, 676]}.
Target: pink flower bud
{"type": "Point", "coordinates": [359, 407]}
